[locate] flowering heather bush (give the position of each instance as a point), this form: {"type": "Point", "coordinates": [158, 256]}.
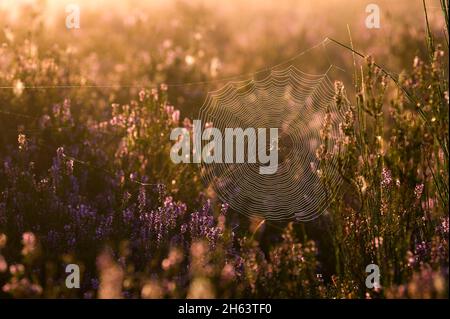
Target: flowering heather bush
{"type": "Point", "coordinates": [86, 178]}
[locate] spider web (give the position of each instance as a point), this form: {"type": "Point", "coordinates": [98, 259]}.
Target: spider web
{"type": "Point", "coordinates": [296, 103]}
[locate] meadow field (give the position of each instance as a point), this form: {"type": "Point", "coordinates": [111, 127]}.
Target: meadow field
{"type": "Point", "coordinates": [86, 177]}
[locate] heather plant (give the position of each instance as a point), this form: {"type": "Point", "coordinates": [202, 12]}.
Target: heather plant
{"type": "Point", "coordinates": [86, 177]}
{"type": "Point", "coordinates": [86, 200]}
{"type": "Point", "coordinates": [399, 176]}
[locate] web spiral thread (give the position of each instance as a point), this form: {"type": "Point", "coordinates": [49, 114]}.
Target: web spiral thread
{"type": "Point", "coordinates": [297, 104]}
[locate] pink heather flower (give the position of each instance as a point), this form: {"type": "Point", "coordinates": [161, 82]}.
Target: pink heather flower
{"type": "Point", "coordinates": [69, 166]}
{"type": "Point", "coordinates": [377, 242]}
{"type": "Point", "coordinates": [66, 114]}
{"type": "Point", "coordinates": [16, 269]}
{"type": "Point", "coordinates": [60, 152]}
{"type": "Point", "coordinates": [29, 243]}
{"type": "Point", "coordinates": [155, 94]}
{"type": "Point", "coordinates": [224, 208]}
{"type": "Point", "coordinates": [443, 227]}
{"type": "Point", "coordinates": [3, 240]}
{"type": "Point", "coordinates": [429, 204]}
{"type": "Point", "coordinates": [22, 140]}
{"type": "Point", "coordinates": [189, 59]}
{"type": "Point", "coordinates": [18, 88]}
{"type": "Point", "coordinates": [141, 95]}
{"type": "Point", "coordinates": [228, 272]}
{"type": "Point", "coordinates": [3, 264]}
{"type": "Point", "coordinates": [44, 121]}
{"type": "Point", "coordinates": [29, 239]}
{"type": "Point", "coordinates": [208, 124]}
{"type": "Point", "coordinates": [187, 123]}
